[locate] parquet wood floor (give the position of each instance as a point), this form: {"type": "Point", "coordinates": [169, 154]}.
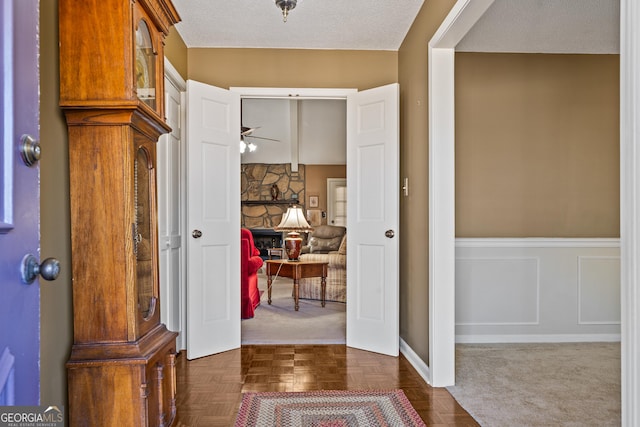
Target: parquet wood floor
{"type": "Point", "coordinates": [210, 389]}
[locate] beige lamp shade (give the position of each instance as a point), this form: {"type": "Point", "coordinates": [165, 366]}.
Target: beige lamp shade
{"type": "Point", "coordinates": [294, 220]}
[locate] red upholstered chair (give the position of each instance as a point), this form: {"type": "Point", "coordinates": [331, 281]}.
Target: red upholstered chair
{"type": "Point", "coordinates": [250, 262]}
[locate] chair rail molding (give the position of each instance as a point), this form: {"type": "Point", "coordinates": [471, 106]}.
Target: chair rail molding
{"type": "Point", "coordinates": [537, 242]}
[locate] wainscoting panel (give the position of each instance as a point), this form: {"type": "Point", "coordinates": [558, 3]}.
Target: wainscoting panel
{"type": "Point", "coordinates": [537, 290]}
{"type": "Point", "coordinates": [599, 290]}
{"type": "Point", "coordinates": [497, 291]}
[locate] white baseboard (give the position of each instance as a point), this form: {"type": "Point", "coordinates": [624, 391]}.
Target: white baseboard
{"type": "Point", "coordinates": [415, 360]}
{"type": "Point", "coordinates": [550, 338]}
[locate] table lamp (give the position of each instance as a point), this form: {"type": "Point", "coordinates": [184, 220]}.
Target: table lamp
{"type": "Point", "coordinates": [294, 222]}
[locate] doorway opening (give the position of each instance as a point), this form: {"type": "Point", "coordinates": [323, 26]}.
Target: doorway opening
{"type": "Point", "coordinates": [294, 151]}
{"type": "Point", "coordinates": [213, 217]}
{"type": "Point", "coordinates": [442, 243]}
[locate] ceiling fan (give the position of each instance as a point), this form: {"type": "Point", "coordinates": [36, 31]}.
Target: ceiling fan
{"type": "Point", "coordinates": [245, 132]}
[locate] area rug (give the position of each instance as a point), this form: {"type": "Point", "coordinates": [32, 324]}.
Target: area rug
{"type": "Point", "coordinates": [360, 408]}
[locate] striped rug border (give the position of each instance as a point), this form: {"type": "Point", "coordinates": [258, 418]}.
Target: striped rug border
{"type": "Point", "coordinates": [261, 409]}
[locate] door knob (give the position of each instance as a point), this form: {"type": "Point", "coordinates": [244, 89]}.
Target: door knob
{"type": "Point", "coordinates": [29, 150]}
{"type": "Point", "coordinates": [196, 234]}
{"type": "Point", "coordinates": [389, 234]}
{"type": "Point", "coordinates": [30, 269]}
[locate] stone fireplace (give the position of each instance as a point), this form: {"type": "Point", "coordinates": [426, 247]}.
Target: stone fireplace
{"type": "Point", "coordinates": [267, 190]}
{"type": "Point", "coordinates": [265, 239]}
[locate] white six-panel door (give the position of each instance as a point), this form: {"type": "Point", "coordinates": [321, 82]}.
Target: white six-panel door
{"type": "Point", "coordinates": [213, 220]}
{"type": "Point", "coordinates": [372, 220]}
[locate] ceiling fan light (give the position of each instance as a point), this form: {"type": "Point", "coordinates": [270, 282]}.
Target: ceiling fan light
{"type": "Point", "coordinates": [286, 6]}
{"type": "Point", "coordinates": [252, 147]}
{"type": "Point", "coordinates": [243, 146]}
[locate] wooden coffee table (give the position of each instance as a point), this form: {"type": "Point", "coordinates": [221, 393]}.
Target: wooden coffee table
{"type": "Point", "coordinates": [296, 270]}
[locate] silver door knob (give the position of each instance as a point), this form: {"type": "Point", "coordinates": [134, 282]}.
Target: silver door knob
{"type": "Point", "coordinates": [30, 269]}
{"type": "Point", "coordinates": [389, 234]}
{"type": "Point", "coordinates": [196, 234]}
{"type": "Point", "coordinates": [29, 150]}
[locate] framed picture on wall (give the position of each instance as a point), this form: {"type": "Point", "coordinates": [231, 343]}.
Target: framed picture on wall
{"type": "Point", "coordinates": [313, 201]}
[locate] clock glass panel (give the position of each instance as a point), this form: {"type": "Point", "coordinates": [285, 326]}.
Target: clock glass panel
{"type": "Point", "coordinates": [145, 66]}
{"type": "Point", "coordinates": [142, 243]}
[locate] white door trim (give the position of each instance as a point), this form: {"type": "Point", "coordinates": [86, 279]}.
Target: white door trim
{"type": "Point", "coordinates": [462, 17]}
{"type": "Point", "coordinates": [629, 210]}
{"type": "Point", "coordinates": [297, 93]}
{"type": "Point", "coordinates": [174, 76]}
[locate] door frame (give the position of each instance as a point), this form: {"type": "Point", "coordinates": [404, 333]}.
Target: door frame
{"type": "Point", "coordinates": [172, 74]}
{"type": "Point", "coordinates": [293, 93]}
{"type": "Point", "coordinates": [629, 210]}
{"type": "Point", "coordinates": [463, 15]}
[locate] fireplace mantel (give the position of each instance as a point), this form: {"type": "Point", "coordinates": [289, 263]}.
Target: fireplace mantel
{"type": "Point", "coordinates": [270, 202]}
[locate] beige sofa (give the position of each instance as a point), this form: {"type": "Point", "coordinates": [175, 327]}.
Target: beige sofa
{"type": "Point", "coordinates": [328, 243]}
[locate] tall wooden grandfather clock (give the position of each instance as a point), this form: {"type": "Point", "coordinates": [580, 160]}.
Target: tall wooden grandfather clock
{"type": "Point", "coordinates": [122, 366]}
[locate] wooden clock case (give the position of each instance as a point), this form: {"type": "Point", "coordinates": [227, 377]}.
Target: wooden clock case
{"type": "Point", "coordinates": [121, 371]}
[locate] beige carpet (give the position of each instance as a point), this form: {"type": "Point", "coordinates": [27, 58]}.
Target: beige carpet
{"type": "Point", "coordinates": [576, 384]}
{"type": "Point", "coordinates": [279, 323]}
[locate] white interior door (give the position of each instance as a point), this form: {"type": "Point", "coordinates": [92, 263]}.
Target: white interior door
{"type": "Point", "coordinates": [170, 219]}
{"type": "Point", "coordinates": [337, 201]}
{"type": "Point", "coordinates": [213, 220]}
{"type": "Point", "coordinates": [372, 220]}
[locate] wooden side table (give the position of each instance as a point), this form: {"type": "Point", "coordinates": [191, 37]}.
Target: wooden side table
{"type": "Point", "coordinates": [279, 252]}
{"type": "Point", "coordinates": [297, 270]}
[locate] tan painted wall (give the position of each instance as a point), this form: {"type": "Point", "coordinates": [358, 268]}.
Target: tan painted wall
{"type": "Point", "coordinates": [414, 149]}
{"type": "Point", "coordinates": [293, 68]}
{"type": "Point", "coordinates": [316, 184]}
{"type": "Point", "coordinates": [56, 324]}
{"type": "Point", "coordinates": [176, 52]}
{"type": "Point", "coordinates": [537, 145]}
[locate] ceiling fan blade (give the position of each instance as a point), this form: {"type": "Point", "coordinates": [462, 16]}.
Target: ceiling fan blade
{"type": "Point", "coordinates": [246, 131]}
{"type": "Point", "coordinates": [261, 137]}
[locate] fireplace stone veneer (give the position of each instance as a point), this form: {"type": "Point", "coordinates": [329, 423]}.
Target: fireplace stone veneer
{"type": "Point", "coordinates": [259, 209]}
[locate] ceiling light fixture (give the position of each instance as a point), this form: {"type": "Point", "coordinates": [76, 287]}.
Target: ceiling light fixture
{"type": "Point", "coordinates": [243, 146]}
{"type": "Point", "coordinates": [286, 6]}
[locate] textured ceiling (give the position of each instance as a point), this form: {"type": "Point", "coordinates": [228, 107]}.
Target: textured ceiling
{"type": "Point", "coordinates": [540, 26]}
{"type": "Point", "coordinates": [547, 26]}
{"type": "Point", "coordinates": [313, 24]}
